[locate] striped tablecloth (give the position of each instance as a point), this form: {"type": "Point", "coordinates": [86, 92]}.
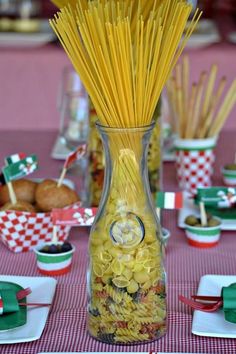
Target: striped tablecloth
{"type": "Point", "coordinates": [66, 326]}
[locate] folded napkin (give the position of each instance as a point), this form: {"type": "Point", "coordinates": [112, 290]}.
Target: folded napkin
{"type": "Point", "coordinates": [11, 314]}
{"type": "Point", "coordinates": [8, 301]}
{"type": "Point", "coordinates": [206, 303]}
{"type": "Point", "coordinates": [229, 302]}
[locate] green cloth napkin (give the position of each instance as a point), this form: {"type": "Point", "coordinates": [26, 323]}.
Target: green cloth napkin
{"type": "Point", "coordinates": [229, 302]}
{"type": "Point", "coordinates": [10, 302]}
{"type": "Point", "coordinates": [9, 319]}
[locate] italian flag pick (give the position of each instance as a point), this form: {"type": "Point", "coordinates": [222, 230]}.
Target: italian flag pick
{"type": "Point", "coordinates": [75, 155]}
{"type": "Point", "coordinates": [15, 158]}
{"type": "Point", "coordinates": [20, 169]}
{"type": "Point", "coordinates": [169, 200]}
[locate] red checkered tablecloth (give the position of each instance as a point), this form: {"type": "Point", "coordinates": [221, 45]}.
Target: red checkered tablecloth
{"type": "Point", "coordinates": [66, 325]}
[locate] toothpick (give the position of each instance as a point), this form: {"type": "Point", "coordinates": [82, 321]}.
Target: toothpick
{"type": "Point", "coordinates": [54, 234]}
{"type": "Point", "coordinates": [12, 194]}
{"type": "Point", "coordinates": [62, 176]}
{"type": "Point", "coordinates": [203, 214]}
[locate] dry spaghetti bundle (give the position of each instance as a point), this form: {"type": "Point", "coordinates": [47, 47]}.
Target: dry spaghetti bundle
{"type": "Point", "coordinates": [124, 70]}
{"type": "Point", "coordinates": [199, 110]}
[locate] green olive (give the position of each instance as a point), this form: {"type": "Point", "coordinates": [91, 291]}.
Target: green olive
{"type": "Point", "coordinates": [191, 220]}
{"type": "Point", "coordinates": [231, 166]}
{"type": "Point", "coordinates": [213, 222]}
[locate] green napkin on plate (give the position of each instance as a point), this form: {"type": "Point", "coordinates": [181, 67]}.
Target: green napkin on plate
{"type": "Point", "coordinates": [13, 315]}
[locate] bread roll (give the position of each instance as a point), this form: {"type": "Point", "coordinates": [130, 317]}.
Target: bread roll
{"type": "Point", "coordinates": [24, 190]}
{"type": "Point", "coordinates": [19, 206]}
{"type": "Point", "coordinates": [48, 196]}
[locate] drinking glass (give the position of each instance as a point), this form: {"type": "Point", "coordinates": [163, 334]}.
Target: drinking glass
{"type": "Point", "coordinates": [74, 118]}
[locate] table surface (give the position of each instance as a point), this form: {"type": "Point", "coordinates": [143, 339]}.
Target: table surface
{"type": "Point", "coordinates": [66, 325]}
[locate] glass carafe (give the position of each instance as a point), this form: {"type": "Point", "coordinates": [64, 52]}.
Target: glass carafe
{"type": "Point", "coordinates": [126, 276]}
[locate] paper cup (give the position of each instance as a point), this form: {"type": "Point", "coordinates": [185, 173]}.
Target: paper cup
{"type": "Point", "coordinates": [203, 237]}
{"type": "Point", "coordinates": [194, 163]}
{"type": "Point", "coordinates": [53, 264]}
{"type": "Point", "coordinates": [229, 177]}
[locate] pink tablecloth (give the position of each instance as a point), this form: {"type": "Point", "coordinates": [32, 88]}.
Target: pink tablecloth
{"type": "Point", "coordinates": [66, 326]}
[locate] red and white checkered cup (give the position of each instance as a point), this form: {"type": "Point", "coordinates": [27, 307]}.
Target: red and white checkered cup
{"type": "Point", "coordinates": [194, 163]}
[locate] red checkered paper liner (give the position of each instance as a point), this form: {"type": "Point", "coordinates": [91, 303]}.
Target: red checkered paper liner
{"type": "Point", "coordinates": [194, 169]}
{"type": "Point", "coordinates": [22, 231]}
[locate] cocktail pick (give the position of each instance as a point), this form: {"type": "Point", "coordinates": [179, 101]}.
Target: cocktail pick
{"type": "Point", "coordinates": [18, 167]}
{"type": "Point", "coordinates": [71, 159]}
{"type": "Point", "coordinates": [203, 215]}
{"type": "Point", "coordinates": [227, 300]}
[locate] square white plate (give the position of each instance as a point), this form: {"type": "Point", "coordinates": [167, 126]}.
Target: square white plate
{"type": "Point", "coordinates": [189, 208]}
{"type": "Point", "coordinates": [36, 317]}
{"type": "Point", "coordinates": [213, 324]}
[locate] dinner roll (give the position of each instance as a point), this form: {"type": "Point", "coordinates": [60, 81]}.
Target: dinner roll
{"type": "Point", "coordinates": [48, 196]}
{"type": "Point", "coordinates": [19, 206]}
{"type": "Point", "coordinates": [23, 188]}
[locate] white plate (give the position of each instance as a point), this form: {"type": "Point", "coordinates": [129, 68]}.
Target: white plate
{"type": "Point", "coordinates": [36, 317]}
{"type": "Point", "coordinates": [213, 324]}
{"type": "Point", "coordinates": [15, 39]}
{"type": "Point", "coordinates": [189, 208]}
{"type": "Point", "coordinates": [206, 33]}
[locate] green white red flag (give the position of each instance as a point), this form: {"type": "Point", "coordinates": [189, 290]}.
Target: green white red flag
{"type": "Point", "coordinates": [73, 217]}
{"type": "Point", "coordinates": [169, 200]}
{"type": "Point", "coordinates": [15, 158]}
{"type": "Point", "coordinates": [75, 155]}
{"type": "Point", "coordinates": [20, 169]}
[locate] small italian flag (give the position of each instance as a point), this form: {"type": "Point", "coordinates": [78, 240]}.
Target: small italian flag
{"type": "Point", "coordinates": [169, 200]}
{"type": "Point", "coordinates": [15, 158]}
{"type": "Point", "coordinates": [75, 155]}
{"type": "Point", "coordinates": [20, 169]}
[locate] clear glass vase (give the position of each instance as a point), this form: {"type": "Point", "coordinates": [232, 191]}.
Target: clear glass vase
{"type": "Point", "coordinates": [97, 160]}
{"type": "Point", "coordinates": [126, 276]}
